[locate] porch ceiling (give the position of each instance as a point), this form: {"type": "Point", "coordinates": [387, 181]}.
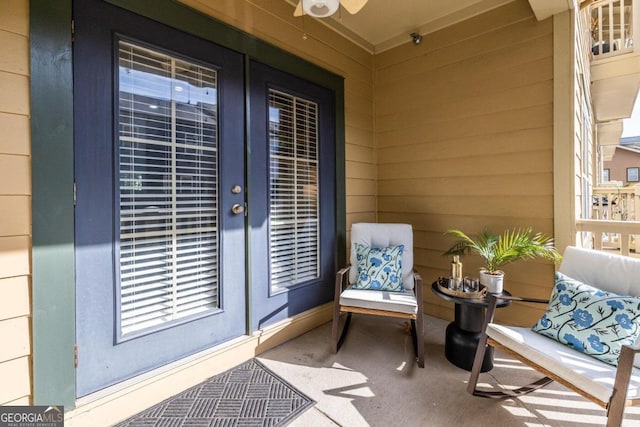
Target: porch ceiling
{"type": "Point", "coordinates": [383, 24]}
{"type": "Point", "coordinates": [615, 84]}
{"type": "Point", "coordinates": [609, 137]}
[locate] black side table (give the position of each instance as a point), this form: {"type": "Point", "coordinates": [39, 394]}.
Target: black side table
{"type": "Point", "coordinates": [462, 335]}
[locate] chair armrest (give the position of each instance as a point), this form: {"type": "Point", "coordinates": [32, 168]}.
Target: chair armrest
{"type": "Point", "coordinates": [627, 355]}
{"type": "Point", "coordinates": [418, 288]}
{"type": "Point", "coordinates": [340, 281]}
{"type": "Point", "coordinates": [343, 270]}
{"type": "Point", "coordinates": [493, 303]}
{"type": "Point", "coordinates": [521, 299]}
{"type": "Point", "coordinates": [621, 385]}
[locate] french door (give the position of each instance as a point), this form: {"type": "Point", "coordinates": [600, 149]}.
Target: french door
{"type": "Point", "coordinates": [292, 195]}
{"type": "Point", "coordinates": [159, 155]}
{"type": "Point", "coordinates": [169, 203]}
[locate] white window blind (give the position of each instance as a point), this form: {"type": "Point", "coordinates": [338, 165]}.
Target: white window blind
{"type": "Point", "coordinates": [293, 216]}
{"type": "Point", "coordinates": [168, 179]}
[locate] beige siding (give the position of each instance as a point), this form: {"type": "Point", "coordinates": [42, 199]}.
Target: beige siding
{"type": "Point", "coordinates": [15, 301]}
{"type": "Point", "coordinates": [15, 204]}
{"type": "Point", "coordinates": [15, 379]}
{"type": "Point", "coordinates": [464, 130]}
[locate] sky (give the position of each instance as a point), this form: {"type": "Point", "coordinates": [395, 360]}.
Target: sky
{"type": "Point", "coordinates": [631, 126]}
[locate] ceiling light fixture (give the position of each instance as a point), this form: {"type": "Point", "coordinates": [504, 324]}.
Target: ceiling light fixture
{"type": "Point", "coordinates": [320, 8]}
{"type": "Point", "coordinates": [416, 38]}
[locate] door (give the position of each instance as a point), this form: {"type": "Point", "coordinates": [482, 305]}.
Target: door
{"type": "Point", "coordinates": [159, 165]}
{"type": "Point", "coordinates": [292, 197]}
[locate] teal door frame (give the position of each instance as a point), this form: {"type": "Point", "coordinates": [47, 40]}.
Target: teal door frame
{"type": "Point", "coordinates": [53, 282]}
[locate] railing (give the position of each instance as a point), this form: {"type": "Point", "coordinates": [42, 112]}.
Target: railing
{"type": "Point", "coordinates": [598, 234]}
{"type": "Point", "coordinates": [615, 203]}
{"type": "Point", "coordinates": [613, 225]}
{"type": "Point", "coordinates": [611, 27]}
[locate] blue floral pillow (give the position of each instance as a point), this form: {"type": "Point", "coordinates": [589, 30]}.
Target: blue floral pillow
{"type": "Point", "coordinates": [592, 321]}
{"type": "Point", "coordinates": [379, 268]}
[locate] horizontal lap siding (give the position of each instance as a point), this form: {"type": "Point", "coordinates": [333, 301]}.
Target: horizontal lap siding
{"type": "Point", "coordinates": [464, 135]}
{"type": "Point", "coordinates": [273, 21]}
{"type": "Point", "coordinates": [15, 204]}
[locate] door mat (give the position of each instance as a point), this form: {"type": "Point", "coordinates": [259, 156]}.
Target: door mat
{"type": "Point", "coordinates": [247, 395]}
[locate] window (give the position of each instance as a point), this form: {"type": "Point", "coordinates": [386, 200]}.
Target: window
{"type": "Point", "coordinates": [632, 175]}
{"type": "Point", "coordinates": [293, 188]}
{"type": "Point", "coordinates": [168, 178]}
{"type": "Point", "coordinates": [606, 175]}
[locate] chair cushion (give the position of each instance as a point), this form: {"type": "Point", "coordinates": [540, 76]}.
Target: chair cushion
{"type": "Point", "coordinates": [590, 320]}
{"type": "Point", "coordinates": [379, 268]}
{"type": "Point", "coordinates": [404, 302]}
{"type": "Point", "coordinates": [382, 236]}
{"type": "Point", "coordinates": [585, 372]}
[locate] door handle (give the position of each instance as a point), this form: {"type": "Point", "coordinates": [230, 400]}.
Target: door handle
{"type": "Point", "coordinates": [237, 209]}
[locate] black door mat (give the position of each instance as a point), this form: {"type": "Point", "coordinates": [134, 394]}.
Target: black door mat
{"type": "Point", "coordinates": [247, 395]}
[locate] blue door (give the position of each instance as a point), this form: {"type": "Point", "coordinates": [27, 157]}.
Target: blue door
{"type": "Point", "coordinates": [292, 199]}
{"type": "Point", "coordinates": [162, 177]}
{"type": "Point", "coordinates": [159, 165]}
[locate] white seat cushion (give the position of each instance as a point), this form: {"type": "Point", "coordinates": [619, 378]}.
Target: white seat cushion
{"type": "Point", "coordinates": [404, 302]}
{"type": "Point", "coordinates": [585, 372]}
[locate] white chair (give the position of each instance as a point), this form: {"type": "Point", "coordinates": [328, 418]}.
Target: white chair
{"type": "Point", "coordinates": [609, 386]}
{"type": "Point", "coordinates": [407, 304]}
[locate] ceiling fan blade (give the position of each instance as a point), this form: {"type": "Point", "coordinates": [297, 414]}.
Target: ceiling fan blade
{"type": "Point", "coordinates": [298, 11]}
{"type": "Point", "coordinates": [353, 6]}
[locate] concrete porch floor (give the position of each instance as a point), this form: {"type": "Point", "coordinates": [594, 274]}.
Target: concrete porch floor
{"type": "Point", "coordinates": [374, 381]}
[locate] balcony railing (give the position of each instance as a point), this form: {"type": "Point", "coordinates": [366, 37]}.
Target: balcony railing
{"type": "Point", "coordinates": [616, 202]}
{"type": "Point", "coordinates": [610, 235]}
{"type": "Point", "coordinates": [611, 28]}
{"type": "Point", "coordinates": [614, 225]}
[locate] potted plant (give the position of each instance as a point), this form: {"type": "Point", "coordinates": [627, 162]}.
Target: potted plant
{"type": "Point", "coordinates": [498, 250]}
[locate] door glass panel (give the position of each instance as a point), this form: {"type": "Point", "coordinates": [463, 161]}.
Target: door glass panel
{"type": "Point", "coordinates": [168, 189]}
{"type": "Point", "coordinates": [293, 187]}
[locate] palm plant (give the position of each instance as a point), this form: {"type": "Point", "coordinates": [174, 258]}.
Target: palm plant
{"type": "Point", "coordinates": [498, 250]}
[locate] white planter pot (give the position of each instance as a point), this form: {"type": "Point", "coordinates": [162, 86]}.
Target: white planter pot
{"type": "Point", "coordinates": [493, 282]}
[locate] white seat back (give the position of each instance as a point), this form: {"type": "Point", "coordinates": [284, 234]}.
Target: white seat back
{"type": "Point", "coordinates": [381, 236]}
{"type": "Point", "coordinates": [602, 270]}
